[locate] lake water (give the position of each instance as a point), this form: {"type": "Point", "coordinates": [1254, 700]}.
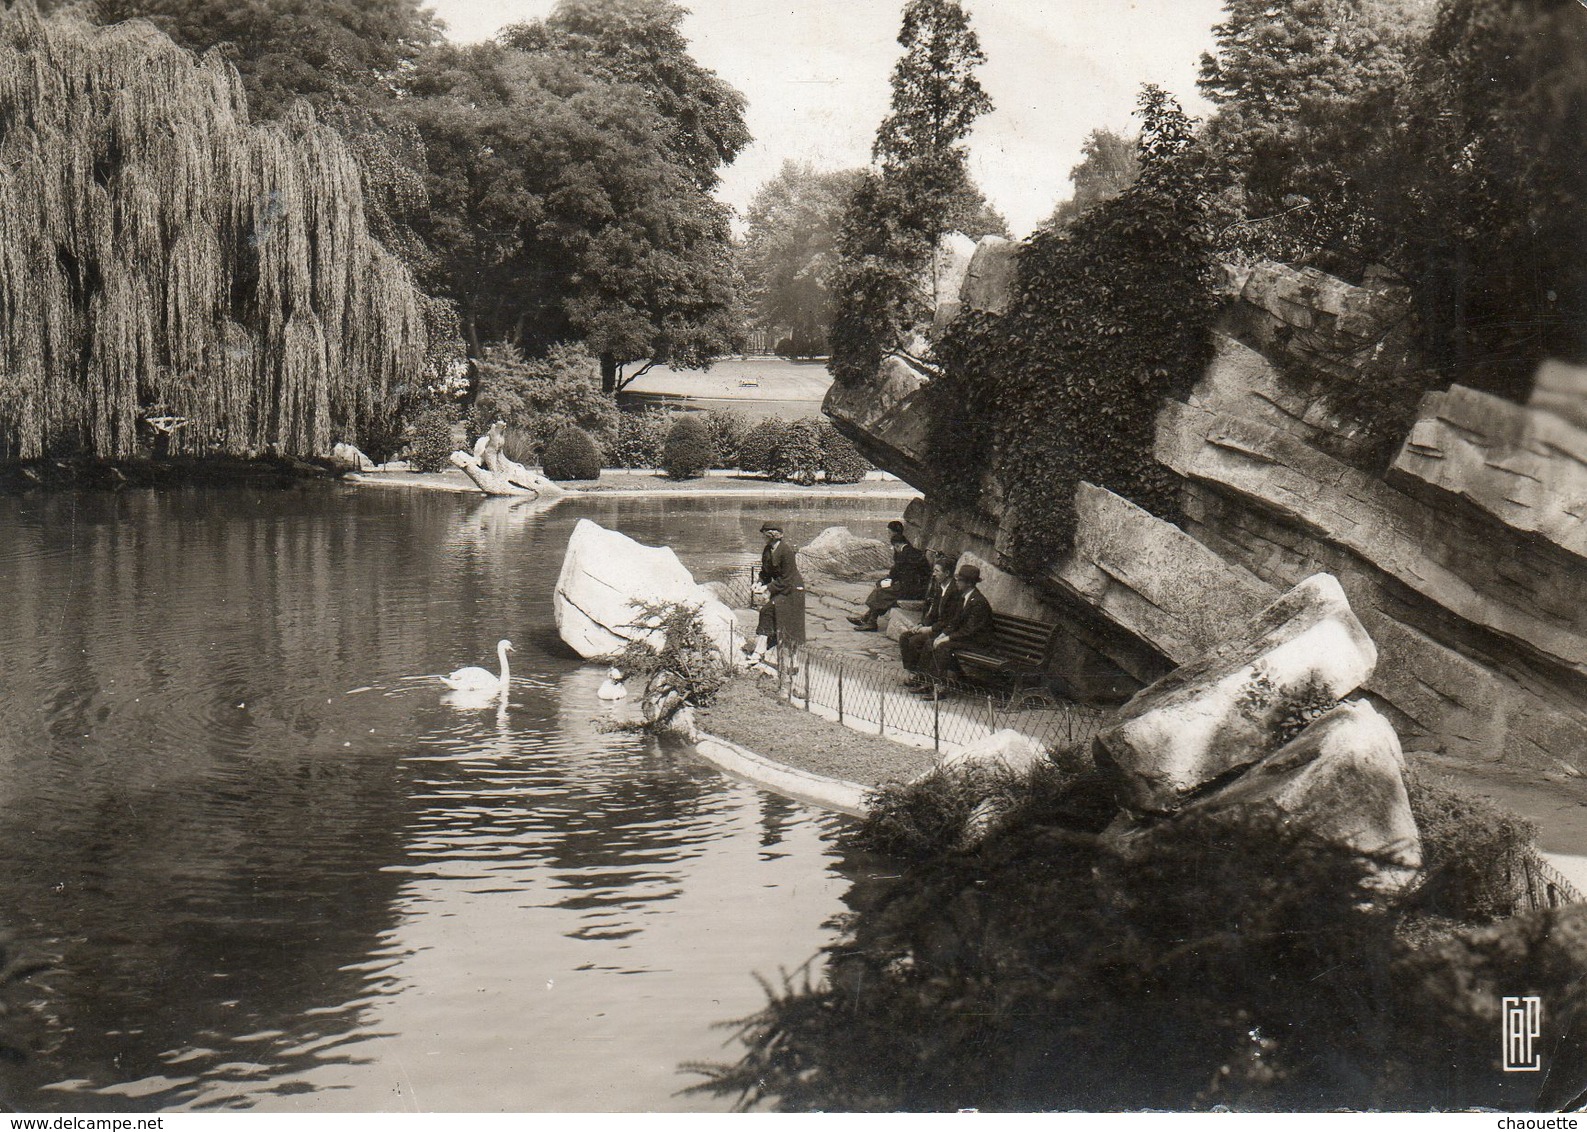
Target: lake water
{"type": "Point", "coordinates": [278, 872]}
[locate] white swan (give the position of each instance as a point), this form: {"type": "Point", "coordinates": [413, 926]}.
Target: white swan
{"type": "Point", "coordinates": [476, 679]}
{"type": "Point", "coordinates": [613, 689]}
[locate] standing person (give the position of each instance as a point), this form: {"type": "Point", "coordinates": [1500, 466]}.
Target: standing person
{"type": "Point", "coordinates": [782, 618]}
{"type": "Point", "coordinates": [970, 627]}
{"type": "Point", "coordinates": [942, 606]}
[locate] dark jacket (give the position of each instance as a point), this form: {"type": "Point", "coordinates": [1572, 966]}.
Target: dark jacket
{"type": "Point", "coordinates": [942, 603]}
{"type": "Point", "coordinates": [911, 573]}
{"type": "Point", "coordinates": [972, 624]}
{"type": "Point", "coordinates": [779, 568]}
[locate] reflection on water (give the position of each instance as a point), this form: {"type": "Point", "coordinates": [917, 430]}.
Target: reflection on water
{"type": "Point", "coordinates": [280, 871]}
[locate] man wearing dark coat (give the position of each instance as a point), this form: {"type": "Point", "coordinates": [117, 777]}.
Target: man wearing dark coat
{"type": "Point", "coordinates": [942, 605]}
{"type": "Point", "coordinates": [782, 618]}
{"type": "Point", "coordinates": [970, 628]}
{"type": "Point", "coordinates": [906, 581]}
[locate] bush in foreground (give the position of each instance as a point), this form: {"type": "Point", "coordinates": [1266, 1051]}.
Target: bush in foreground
{"type": "Point", "coordinates": [756, 450]}
{"type": "Point", "coordinates": [840, 459]}
{"type": "Point", "coordinates": [641, 437]}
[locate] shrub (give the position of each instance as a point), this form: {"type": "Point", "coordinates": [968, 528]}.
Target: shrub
{"type": "Point", "coordinates": [690, 450]}
{"type": "Point", "coordinates": [572, 455]}
{"type": "Point", "coordinates": [797, 457]}
{"type": "Point", "coordinates": [728, 429]}
{"type": "Point", "coordinates": [641, 438]}
{"type": "Point", "coordinates": [686, 654]}
{"type": "Point", "coordinates": [432, 440]}
{"type": "Point", "coordinates": [1474, 852]}
{"type": "Point", "coordinates": [756, 450]}
{"type": "Point", "coordinates": [840, 459]}
{"type": "Point", "coordinates": [542, 396]}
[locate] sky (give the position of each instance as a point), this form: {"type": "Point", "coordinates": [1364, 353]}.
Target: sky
{"type": "Point", "coordinates": [815, 73]}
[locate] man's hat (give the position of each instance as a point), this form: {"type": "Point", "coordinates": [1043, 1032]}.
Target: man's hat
{"type": "Point", "coordinates": [969, 572]}
{"type": "Point", "coordinates": [896, 525]}
{"type": "Point", "coordinates": [771, 525]}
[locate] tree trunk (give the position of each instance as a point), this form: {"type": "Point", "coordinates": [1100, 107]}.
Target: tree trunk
{"type": "Point", "coordinates": [608, 374]}
{"type": "Point", "coordinates": [471, 331]}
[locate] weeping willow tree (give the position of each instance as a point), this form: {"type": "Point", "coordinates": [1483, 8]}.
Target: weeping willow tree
{"type": "Point", "coordinates": [163, 259]}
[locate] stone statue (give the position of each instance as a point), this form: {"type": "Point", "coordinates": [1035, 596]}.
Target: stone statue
{"type": "Point", "coordinates": [495, 474]}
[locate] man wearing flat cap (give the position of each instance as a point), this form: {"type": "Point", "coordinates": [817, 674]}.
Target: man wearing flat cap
{"type": "Point", "coordinates": [969, 628]}
{"type": "Point", "coordinates": [782, 617]}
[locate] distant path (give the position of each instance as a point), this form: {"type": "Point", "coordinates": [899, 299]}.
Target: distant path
{"type": "Point", "coordinates": [757, 387]}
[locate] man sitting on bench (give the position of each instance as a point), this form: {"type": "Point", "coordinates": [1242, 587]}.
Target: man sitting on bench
{"type": "Point", "coordinates": [970, 628]}
{"type": "Point", "coordinates": [906, 581]}
{"type": "Point", "coordinates": [942, 605]}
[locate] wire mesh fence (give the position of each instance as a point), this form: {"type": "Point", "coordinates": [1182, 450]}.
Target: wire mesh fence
{"type": "Point", "coordinates": [1543, 886]}
{"type": "Point", "coordinates": [864, 693]}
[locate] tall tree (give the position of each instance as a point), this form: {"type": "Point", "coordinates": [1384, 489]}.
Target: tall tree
{"type": "Point", "coordinates": [641, 42]}
{"type": "Point", "coordinates": [789, 250]}
{"type": "Point", "coordinates": [161, 260]}
{"type": "Point", "coordinates": [563, 212]}
{"type": "Point", "coordinates": [903, 207]}
{"type": "Point", "coordinates": [1109, 164]}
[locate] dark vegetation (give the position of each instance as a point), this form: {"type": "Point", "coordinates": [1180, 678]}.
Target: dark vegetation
{"type": "Point", "coordinates": [690, 449]}
{"type": "Point", "coordinates": [1232, 961]}
{"type": "Point", "coordinates": [572, 454]}
{"type": "Point", "coordinates": [433, 441]}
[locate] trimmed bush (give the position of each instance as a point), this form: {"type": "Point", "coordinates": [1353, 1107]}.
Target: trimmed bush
{"type": "Point", "coordinates": [572, 455]}
{"type": "Point", "coordinates": [728, 429]}
{"type": "Point", "coordinates": [797, 457]}
{"type": "Point", "coordinates": [840, 459]}
{"type": "Point", "coordinates": [432, 440]}
{"type": "Point", "coordinates": [690, 449]}
{"type": "Point", "coordinates": [756, 450]}
{"type": "Point", "coordinates": [640, 439]}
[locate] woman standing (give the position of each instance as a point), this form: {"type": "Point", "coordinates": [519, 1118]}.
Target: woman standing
{"type": "Point", "coordinates": [782, 618]}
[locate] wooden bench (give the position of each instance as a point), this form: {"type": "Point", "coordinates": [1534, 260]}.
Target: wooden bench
{"type": "Point", "coordinates": [1019, 647]}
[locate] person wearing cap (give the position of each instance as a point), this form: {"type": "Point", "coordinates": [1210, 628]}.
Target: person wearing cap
{"type": "Point", "coordinates": [782, 617]}
{"type": "Point", "coordinates": [906, 581]}
{"type": "Point", "coordinates": [970, 627]}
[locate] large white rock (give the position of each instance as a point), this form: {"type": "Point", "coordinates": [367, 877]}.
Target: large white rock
{"type": "Point", "coordinates": [838, 552]}
{"type": "Point", "coordinates": [1226, 710]}
{"type": "Point", "coordinates": [1006, 750]}
{"type": "Point", "coordinates": [1341, 779]}
{"type": "Point", "coordinates": [606, 574]}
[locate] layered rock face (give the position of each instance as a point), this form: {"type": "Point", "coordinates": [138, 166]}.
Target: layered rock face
{"type": "Point", "coordinates": [1465, 562]}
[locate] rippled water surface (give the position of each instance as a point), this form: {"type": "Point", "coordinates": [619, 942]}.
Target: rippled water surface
{"type": "Point", "coordinates": [279, 872]}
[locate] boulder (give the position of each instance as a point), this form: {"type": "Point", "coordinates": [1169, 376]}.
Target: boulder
{"type": "Point", "coordinates": [948, 267]}
{"type": "Point", "coordinates": [351, 457]}
{"type": "Point", "coordinates": [1005, 750]}
{"type": "Point", "coordinates": [1561, 388]}
{"type": "Point", "coordinates": [1341, 779]}
{"type": "Point", "coordinates": [838, 552]}
{"type": "Point", "coordinates": [606, 575]}
{"type": "Point", "coordinates": [1227, 710]}
{"type": "Point", "coordinates": [882, 416]}
{"type": "Point", "coordinates": [989, 282]}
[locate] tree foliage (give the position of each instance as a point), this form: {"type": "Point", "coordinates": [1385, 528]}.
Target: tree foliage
{"type": "Point", "coordinates": [789, 252]}
{"type": "Point", "coordinates": [544, 395]}
{"type": "Point", "coordinates": [920, 189]}
{"type": "Point", "coordinates": [1111, 314]}
{"type": "Point", "coordinates": [161, 258]}
{"type": "Point", "coordinates": [564, 211]}
{"type": "Point", "coordinates": [1109, 164]}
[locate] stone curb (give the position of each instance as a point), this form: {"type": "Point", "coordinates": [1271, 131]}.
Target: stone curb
{"type": "Point", "coordinates": [830, 793]}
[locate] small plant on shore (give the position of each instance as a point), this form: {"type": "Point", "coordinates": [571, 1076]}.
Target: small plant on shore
{"type": "Point", "coordinates": [572, 455]}
{"type": "Point", "coordinates": [432, 441]}
{"type": "Point", "coordinates": [675, 645]}
{"type": "Point", "coordinates": [690, 450]}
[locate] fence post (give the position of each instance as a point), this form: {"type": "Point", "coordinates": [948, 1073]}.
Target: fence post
{"type": "Point", "coordinates": [840, 691]}
{"type": "Point", "coordinates": [881, 709]}
{"type": "Point", "coordinates": [807, 681]}
{"type": "Point", "coordinates": [936, 724]}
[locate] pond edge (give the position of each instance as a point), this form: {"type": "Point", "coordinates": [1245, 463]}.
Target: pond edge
{"type": "Point", "coordinates": [837, 794]}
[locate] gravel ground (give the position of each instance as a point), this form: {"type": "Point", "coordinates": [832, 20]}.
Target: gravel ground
{"type": "Point", "coordinates": [748, 713]}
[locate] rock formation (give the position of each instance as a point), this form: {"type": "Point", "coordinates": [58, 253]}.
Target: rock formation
{"type": "Point", "coordinates": [1464, 562]}
{"type": "Point", "coordinates": [605, 579]}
